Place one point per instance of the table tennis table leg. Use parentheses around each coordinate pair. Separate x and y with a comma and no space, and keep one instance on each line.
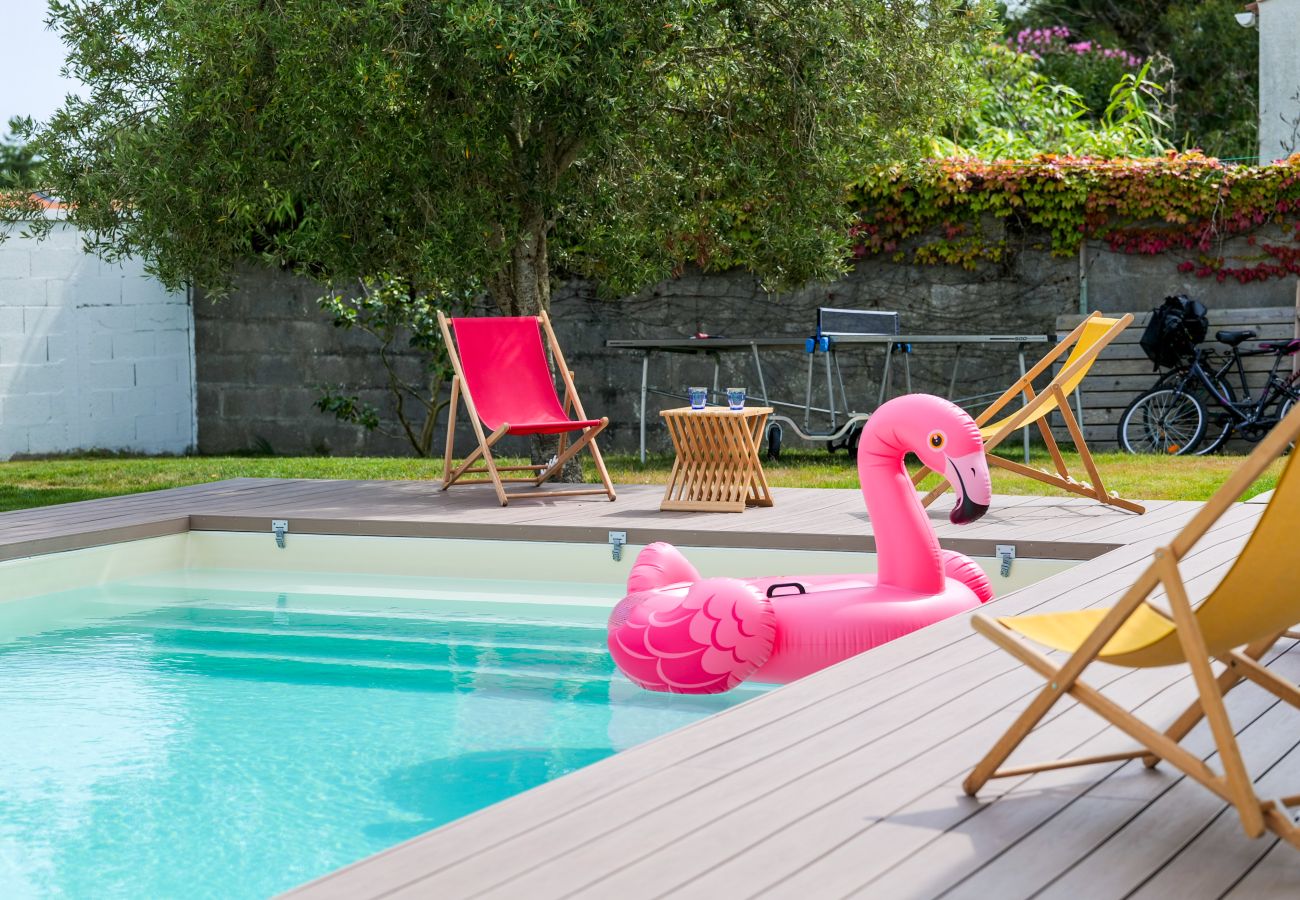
(807,397)
(758,367)
(956,362)
(839,376)
(884,374)
(830,388)
(645,373)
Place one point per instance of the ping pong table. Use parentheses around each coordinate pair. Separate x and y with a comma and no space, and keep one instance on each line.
(828,346)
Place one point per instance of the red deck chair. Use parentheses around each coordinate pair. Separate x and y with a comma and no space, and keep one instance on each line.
(504,378)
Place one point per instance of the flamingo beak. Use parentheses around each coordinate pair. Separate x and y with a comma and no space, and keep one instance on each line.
(969,477)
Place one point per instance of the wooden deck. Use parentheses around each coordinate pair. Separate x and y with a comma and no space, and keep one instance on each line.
(845,783)
(801,519)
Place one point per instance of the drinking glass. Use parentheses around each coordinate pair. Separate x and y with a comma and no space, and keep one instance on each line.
(699,397)
(736,398)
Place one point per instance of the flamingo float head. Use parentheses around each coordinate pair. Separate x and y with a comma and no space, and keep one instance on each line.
(944,437)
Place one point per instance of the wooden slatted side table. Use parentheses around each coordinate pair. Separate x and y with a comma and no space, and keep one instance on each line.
(717,468)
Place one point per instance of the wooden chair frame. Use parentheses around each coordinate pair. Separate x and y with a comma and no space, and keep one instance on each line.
(1233,784)
(1024,387)
(541,472)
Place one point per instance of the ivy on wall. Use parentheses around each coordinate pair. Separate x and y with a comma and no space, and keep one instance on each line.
(961,211)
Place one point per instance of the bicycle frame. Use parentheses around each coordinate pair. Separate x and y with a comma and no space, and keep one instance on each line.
(1249,411)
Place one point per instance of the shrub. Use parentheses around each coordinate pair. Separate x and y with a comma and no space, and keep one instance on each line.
(961,211)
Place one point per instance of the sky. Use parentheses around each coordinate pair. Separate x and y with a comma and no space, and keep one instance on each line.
(30,84)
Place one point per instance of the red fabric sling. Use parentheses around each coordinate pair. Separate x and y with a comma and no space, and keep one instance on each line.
(507,376)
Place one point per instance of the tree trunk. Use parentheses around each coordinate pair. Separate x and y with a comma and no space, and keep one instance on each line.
(524,289)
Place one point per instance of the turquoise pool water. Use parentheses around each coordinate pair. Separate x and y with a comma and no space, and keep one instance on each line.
(196,735)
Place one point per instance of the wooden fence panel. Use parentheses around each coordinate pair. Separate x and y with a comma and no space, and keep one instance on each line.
(1122,372)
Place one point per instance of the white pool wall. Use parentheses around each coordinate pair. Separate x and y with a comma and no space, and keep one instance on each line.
(400,557)
(32,576)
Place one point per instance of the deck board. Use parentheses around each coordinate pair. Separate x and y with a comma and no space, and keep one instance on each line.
(855,789)
(847,782)
(984,684)
(801,519)
(1275,877)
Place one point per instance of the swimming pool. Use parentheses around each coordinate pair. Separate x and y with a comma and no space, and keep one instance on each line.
(208,713)
(219,732)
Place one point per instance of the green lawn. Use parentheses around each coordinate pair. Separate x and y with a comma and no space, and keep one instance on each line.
(43,482)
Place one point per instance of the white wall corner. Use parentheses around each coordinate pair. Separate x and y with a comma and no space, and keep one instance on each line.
(1279,79)
(194,374)
(93,355)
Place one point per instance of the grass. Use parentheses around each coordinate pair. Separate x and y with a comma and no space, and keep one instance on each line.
(31,483)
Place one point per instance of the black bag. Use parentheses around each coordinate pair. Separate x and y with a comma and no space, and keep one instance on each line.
(1176,327)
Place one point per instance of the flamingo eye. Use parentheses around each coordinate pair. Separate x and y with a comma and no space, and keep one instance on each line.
(937,439)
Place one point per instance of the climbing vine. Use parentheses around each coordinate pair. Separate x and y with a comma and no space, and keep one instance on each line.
(961,211)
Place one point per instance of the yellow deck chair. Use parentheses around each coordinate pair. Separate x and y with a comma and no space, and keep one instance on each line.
(1085,344)
(1255,604)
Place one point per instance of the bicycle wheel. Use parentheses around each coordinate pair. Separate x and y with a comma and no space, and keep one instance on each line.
(1165,421)
(1218,421)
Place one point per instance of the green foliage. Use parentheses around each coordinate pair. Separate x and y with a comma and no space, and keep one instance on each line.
(1214,82)
(31,483)
(393,312)
(1216,67)
(1132,111)
(350,408)
(961,211)
(456,141)
(474,145)
(1018,113)
(20,167)
(1090,67)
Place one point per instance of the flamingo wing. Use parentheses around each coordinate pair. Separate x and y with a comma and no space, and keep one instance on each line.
(705,642)
(960,567)
(658,565)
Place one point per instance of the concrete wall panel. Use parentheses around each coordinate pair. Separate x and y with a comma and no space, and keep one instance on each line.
(92,355)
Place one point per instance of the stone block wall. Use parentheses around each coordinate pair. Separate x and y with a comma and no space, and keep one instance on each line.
(92,355)
(264,353)
(1022,299)
(1020,296)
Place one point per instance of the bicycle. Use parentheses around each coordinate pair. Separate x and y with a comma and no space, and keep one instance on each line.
(1173,416)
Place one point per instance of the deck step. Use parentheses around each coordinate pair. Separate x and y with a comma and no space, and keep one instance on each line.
(394,665)
(396,626)
(367,673)
(397,649)
(277,632)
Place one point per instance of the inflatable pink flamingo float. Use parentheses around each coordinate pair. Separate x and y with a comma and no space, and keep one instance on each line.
(677,632)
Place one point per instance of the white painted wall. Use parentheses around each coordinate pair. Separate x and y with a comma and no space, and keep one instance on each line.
(1279,79)
(92,355)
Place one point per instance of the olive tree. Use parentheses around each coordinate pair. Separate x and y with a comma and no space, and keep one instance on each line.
(484,145)
(19,166)
(465,148)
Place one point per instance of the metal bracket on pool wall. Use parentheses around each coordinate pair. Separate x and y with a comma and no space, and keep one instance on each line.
(616,541)
(279,527)
(1006,553)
